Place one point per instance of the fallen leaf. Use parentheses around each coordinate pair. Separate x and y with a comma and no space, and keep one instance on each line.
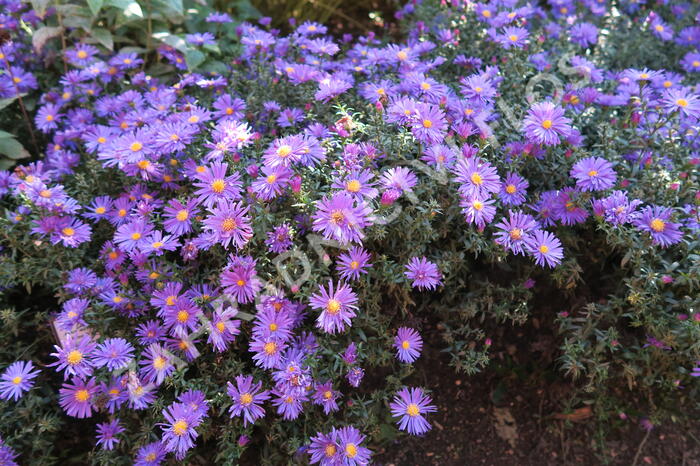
(505,425)
(579,414)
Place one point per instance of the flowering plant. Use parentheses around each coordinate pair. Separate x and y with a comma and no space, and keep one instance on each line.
(248,250)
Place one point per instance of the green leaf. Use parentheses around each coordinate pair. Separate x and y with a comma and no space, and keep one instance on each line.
(43,35)
(130,8)
(95,6)
(5,102)
(194,58)
(10,147)
(104,37)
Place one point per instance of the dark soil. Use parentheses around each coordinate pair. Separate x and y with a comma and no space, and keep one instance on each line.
(501,418)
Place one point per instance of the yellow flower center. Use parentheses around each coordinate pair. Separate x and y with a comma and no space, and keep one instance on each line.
(381,91)
(657,225)
(478,205)
(273,326)
(476,178)
(82,54)
(353,186)
(246,399)
(143,164)
(682,103)
(218,186)
(240,282)
(668,84)
(220,326)
(333,306)
(68,231)
(17,380)
(136,146)
(136,236)
(180,427)
(74,357)
(271,179)
(270,347)
(425,86)
(427,124)
(49,117)
(510,189)
(159,363)
(228,224)
(486,14)
(330,450)
(593,173)
(193,119)
(350,450)
(513,37)
(182,316)
(659,28)
(413,410)
(153,275)
(337,217)
(402,55)
(100,210)
(405,344)
(546,124)
(354,265)
(516,233)
(544,249)
(328,394)
(284,151)
(82,395)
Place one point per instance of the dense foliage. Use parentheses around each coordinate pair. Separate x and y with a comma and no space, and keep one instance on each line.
(232,237)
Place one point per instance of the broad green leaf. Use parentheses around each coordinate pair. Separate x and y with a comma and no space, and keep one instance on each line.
(43,35)
(10,147)
(5,102)
(95,6)
(194,58)
(130,8)
(104,37)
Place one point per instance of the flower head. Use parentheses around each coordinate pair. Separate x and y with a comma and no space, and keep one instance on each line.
(410,405)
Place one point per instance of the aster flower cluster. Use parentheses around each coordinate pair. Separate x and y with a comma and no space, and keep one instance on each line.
(208,189)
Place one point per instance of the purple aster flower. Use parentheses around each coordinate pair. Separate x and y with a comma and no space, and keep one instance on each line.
(342,218)
(107,434)
(355,375)
(325,396)
(223,328)
(324,449)
(514,231)
(7,455)
(410,405)
(80,280)
(682,101)
(284,151)
(478,211)
(353,263)
(545,248)
(593,174)
(182,318)
(338,307)
(133,235)
(273,182)
(567,207)
(584,34)
(655,220)
(617,208)
(268,351)
(329,88)
(17,379)
(399,178)
(428,124)
(71,232)
(352,453)
(240,280)
(476,178)
(289,404)
(408,344)
(214,186)
(513,37)
(280,238)
(513,189)
(228,223)
(76,397)
(72,314)
(545,123)
(357,183)
(273,323)
(247,399)
(47,117)
(75,356)
(179,429)
(439,155)
(425,274)
(113,353)
(152,454)
(156,364)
